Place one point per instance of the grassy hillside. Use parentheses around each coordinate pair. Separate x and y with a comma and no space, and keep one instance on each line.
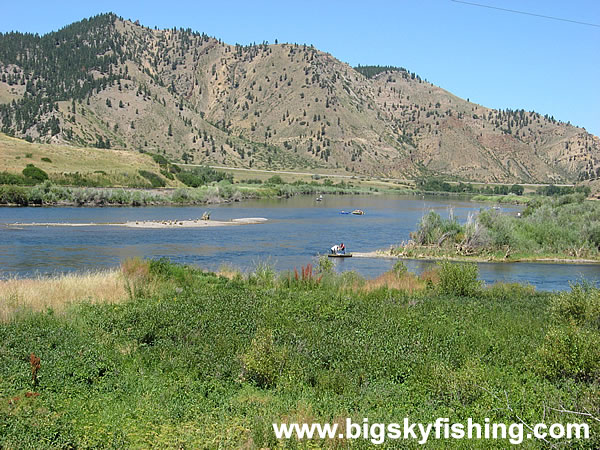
(191,359)
(193,98)
(65,163)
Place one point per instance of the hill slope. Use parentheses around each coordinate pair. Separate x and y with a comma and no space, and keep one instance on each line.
(108,82)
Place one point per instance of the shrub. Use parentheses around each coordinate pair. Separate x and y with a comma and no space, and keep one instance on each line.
(458,279)
(200,176)
(263,362)
(12,178)
(275,179)
(167,174)
(13,195)
(580,306)
(434,230)
(46,159)
(571,352)
(325,265)
(155,180)
(160,159)
(264,274)
(399,268)
(35,173)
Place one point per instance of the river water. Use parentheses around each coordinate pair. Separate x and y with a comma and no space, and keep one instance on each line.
(298,229)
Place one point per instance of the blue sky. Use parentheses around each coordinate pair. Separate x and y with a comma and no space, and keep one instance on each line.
(496,58)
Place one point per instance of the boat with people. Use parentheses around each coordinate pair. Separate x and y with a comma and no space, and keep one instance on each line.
(339,251)
(358,212)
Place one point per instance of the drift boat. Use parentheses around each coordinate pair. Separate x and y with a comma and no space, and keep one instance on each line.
(340,255)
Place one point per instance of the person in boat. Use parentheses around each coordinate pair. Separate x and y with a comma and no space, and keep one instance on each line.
(342,250)
(335,249)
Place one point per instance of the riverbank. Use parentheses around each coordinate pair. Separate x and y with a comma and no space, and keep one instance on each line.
(47,194)
(434,254)
(563,229)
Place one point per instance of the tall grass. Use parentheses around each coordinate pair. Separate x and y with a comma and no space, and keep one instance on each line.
(567,227)
(57,293)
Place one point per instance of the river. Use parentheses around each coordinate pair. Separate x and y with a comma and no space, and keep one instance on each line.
(297,230)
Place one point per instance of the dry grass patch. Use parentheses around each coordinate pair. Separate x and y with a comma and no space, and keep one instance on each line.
(405,282)
(229,272)
(39,294)
(118,163)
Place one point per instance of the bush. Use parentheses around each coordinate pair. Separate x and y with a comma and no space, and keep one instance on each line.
(165,173)
(571,352)
(34,173)
(45,159)
(13,195)
(400,268)
(12,178)
(155,180)
(275,179)
(434,230)
(264,274)
(580,306)
(263,361)
(459,279)
(325,265)
(160,159)
(200,176)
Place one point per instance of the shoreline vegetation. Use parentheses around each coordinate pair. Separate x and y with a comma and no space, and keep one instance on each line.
(175,185)
(158,354)
(48,194)
(196,186)
(553,229)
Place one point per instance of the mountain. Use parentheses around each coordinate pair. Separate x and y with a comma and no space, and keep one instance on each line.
(109,82)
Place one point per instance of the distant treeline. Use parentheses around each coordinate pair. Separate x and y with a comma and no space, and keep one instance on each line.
(437,185)
(373,71)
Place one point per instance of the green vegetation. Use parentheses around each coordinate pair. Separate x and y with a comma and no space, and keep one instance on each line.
(560,227)
(373,71)
(506,199)
(555,191)
(74,51)
(155,180)
(34,173)
(197,360)
(200,176)
(500,193)
(431,184)
(50,194)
